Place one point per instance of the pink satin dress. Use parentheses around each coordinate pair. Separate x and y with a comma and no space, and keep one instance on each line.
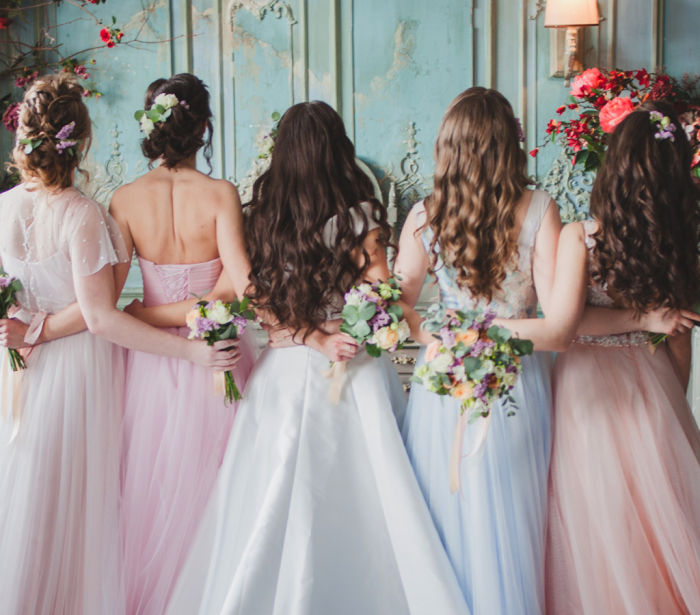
(175,434)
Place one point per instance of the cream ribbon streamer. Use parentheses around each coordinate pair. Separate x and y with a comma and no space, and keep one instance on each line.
(458,443)
(219,383)
(11,394)
(335,373)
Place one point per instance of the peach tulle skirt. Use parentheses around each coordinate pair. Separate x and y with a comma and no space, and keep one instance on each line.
(624,518)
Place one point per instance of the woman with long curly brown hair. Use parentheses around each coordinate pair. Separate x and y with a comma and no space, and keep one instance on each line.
(624,520)
(490,241)
(317,508)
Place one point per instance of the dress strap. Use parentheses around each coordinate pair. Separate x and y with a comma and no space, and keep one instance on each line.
(588,232)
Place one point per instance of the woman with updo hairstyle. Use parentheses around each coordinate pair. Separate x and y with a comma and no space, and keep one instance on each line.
(187,230)
(60,426)
(624,507)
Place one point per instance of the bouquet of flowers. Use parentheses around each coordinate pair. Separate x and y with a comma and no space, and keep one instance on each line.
(475,362)
(9,287)
(368,318)
(602,99)
(471,360)
(216,321)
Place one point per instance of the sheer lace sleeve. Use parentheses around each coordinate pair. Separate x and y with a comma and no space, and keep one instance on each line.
(92,239)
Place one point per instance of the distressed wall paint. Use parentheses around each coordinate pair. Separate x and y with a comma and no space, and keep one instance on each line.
(382,64)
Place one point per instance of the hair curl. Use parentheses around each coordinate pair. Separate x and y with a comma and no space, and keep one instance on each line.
(647,208)
(480,177)
(312,177)
(187,130)
(52,102)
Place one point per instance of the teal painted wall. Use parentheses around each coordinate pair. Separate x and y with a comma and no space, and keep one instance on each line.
(382,63)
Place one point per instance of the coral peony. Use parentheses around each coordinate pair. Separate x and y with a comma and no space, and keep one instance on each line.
(614,112)
(591,79)
(105,35)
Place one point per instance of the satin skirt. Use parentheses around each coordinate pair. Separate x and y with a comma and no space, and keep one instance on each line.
(316,510)
(59,483)
(494,529)
(175,435)
(624,529)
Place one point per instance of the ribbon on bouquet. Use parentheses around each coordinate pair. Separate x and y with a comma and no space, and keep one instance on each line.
(219,383)
(335,373)
(458,443)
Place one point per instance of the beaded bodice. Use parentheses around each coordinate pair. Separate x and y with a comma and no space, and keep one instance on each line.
(517,297)
(598,296)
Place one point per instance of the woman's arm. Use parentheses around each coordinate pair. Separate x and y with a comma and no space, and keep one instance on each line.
(544,258)
(558,328)
(412,262)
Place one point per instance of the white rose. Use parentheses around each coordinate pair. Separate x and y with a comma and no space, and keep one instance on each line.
(219,313)
(147,126)
(488,351)
(510,379)
(459,373)
(404,331)
(353,299)
(442,363)
(488,366)
(365,289)
(166,100)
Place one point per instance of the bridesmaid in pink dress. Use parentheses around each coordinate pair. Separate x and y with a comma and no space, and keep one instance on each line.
(183,225)
(624,519)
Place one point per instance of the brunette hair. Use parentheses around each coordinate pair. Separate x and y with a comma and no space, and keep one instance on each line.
(295,274)
(50,104)
(189,127)
(480,177)
(646,204)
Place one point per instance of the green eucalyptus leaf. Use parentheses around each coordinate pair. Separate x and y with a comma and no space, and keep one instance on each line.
(361,329)
(367,309)
(351,314)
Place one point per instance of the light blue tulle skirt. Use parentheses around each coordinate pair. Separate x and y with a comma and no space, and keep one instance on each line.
(494,530)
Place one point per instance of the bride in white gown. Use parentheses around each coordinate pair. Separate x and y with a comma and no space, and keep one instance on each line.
(316,510)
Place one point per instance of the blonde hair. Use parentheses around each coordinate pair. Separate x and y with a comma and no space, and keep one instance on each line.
(53,101)
(480,177)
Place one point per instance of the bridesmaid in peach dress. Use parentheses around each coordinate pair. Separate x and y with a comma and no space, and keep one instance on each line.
(184,225)
(624,520)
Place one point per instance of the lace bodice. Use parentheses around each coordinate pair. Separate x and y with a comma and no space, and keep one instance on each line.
(598,296)
(47,240)
(517,297)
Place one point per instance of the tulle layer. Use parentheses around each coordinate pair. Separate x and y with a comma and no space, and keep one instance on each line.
(494,531)
(59,483)
(316,510)
(624,529)
(175,435)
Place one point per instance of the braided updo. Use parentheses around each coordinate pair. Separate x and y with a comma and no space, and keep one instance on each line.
(188,129)
(53,102)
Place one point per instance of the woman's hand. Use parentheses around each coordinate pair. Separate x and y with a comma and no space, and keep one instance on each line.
(335,347)
(135,308)
(12,333)
(670,322)
(279,338)
(220,356)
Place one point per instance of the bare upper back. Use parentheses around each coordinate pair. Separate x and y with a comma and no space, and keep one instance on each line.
(171,214)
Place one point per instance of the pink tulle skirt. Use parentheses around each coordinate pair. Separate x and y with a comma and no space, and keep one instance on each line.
(624,507)
(175,435)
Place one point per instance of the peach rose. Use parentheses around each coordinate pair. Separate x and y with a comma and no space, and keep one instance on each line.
(386,338)
(614,112)
(467,337)
(590,79)
(432,351)
(463,391)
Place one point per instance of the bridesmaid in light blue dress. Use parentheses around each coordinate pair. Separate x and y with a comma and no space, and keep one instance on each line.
(487,222)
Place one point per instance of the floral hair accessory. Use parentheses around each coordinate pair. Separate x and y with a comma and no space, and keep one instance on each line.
(29,144)
(666,127)
(185,105)
(160,111)
(64,143)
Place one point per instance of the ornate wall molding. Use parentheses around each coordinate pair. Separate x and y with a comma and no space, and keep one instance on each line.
(570,187)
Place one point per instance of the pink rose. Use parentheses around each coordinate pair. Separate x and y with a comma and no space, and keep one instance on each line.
(432,351)
(590,79)
(11,117)
(614,112)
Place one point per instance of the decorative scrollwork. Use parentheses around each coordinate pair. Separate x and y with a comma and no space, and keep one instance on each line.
(278,8)
(403,192)
(570,187)
(539,7)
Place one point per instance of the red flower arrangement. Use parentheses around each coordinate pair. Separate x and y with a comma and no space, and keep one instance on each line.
(603,99)
(5,22)
(111,35)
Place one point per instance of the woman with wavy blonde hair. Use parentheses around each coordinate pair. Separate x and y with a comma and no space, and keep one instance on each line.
(491,243)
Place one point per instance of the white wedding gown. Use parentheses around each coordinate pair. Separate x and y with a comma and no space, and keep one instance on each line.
(317,510)
(59,477)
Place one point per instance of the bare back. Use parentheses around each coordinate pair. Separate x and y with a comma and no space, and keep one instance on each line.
(171,215)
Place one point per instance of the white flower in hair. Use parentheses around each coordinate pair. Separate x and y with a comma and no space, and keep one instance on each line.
(167,100)
(147,126)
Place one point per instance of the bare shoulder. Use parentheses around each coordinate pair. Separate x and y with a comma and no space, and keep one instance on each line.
(573,234)
(224,193)
(127,195)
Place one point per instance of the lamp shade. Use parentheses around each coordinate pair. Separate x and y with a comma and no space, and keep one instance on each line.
(570,13)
